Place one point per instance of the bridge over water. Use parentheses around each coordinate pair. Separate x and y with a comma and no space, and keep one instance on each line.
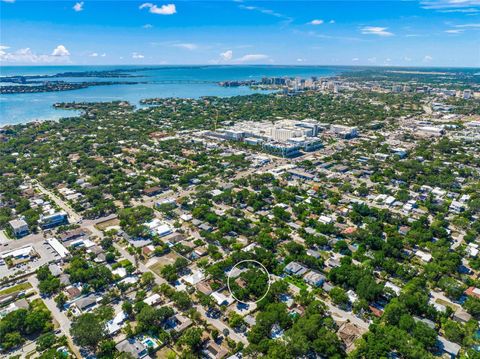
(169,82)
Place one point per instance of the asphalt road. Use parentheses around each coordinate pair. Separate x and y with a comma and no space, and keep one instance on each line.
(73,216)
(63,321)
(220,326)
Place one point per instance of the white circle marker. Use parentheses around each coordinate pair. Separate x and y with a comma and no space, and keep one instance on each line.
(264,269)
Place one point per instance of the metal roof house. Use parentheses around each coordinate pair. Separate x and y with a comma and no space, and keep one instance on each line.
(295,268)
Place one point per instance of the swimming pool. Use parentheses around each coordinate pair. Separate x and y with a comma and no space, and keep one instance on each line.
(149,342)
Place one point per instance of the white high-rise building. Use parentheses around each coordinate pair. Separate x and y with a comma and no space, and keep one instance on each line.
(467,94)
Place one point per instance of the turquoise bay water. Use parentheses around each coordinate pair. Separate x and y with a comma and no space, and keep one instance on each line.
(23,108)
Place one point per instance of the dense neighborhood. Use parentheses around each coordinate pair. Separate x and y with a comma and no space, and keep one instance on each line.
(359,197)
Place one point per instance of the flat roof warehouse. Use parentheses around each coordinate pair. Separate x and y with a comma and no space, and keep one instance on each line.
(58,247)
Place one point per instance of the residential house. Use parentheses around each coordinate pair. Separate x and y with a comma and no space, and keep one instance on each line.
(72,292)
(204,287)
(86,303)
(461,316)
(133,347)
(473,292)
(113,326)
(152,191)
(348,334)
(148,250)
(314,278)
(426,257)
(153,300)
(178,323)
(294,268)
(448,347)
(214,351)
(55,269)
(222,299)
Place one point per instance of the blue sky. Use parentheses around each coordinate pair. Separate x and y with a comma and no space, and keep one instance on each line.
(400,33)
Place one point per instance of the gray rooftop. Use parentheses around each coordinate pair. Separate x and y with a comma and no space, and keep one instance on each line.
(17,223)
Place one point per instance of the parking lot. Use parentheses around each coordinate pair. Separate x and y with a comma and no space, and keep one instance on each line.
(45,253)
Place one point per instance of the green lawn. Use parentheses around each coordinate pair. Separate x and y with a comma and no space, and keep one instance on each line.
(296,282)
(157,267)
(125,263)
(16,288)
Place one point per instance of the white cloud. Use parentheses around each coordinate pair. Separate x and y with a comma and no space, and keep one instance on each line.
(427,58)
(316,22)
(376,30)
(300,60)
(372,60)
(2,51)
(469,26)
(136,56)
(448,4)
(60,50)
(187,46)
(9,1)
(252,58)
(147,26)
(266,12)
(78,6)
(332,21)
(168,9)
(470,10)
(407,59)
(355,59)
(26,55)
(96,54)
(227,55)
(454,31)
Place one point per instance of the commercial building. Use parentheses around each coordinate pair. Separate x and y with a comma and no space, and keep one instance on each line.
(285,138)
(299,173)
(282,149)
(430,131)
(20,253)
(53,220)
(19,227)
(346,132)
(58,247)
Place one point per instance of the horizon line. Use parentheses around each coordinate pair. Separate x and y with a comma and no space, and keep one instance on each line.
(244,65)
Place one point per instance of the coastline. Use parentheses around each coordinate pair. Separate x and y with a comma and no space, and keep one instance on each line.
(154,82)
(75,113)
